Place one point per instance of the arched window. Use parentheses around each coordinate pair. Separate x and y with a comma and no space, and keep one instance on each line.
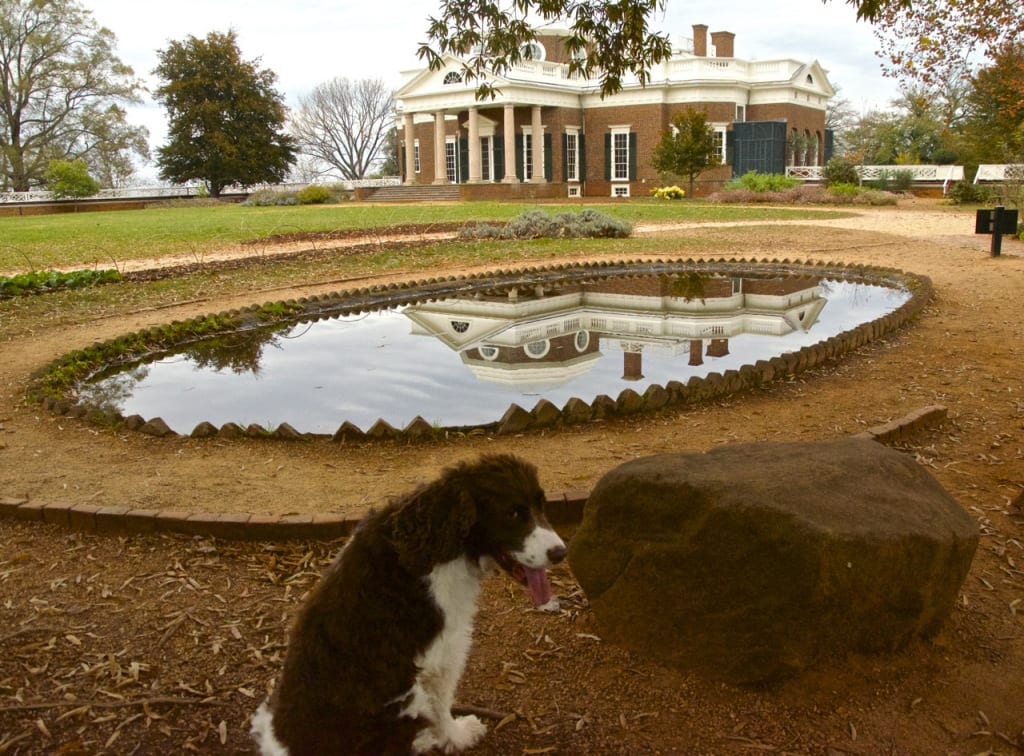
(532,51)
(537,349)
(453,77)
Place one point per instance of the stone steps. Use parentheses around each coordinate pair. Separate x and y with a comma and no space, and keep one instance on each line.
(440,193)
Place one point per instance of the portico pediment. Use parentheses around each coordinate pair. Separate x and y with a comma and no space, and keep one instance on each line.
(813,78)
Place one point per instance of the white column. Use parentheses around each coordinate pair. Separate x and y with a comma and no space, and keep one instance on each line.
(537,147)
(440,167)
(410,149)
(510,145)
(476,175)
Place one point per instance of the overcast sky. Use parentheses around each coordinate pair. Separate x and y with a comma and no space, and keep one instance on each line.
(306,42)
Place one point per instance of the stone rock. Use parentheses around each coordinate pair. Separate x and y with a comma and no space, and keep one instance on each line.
(545,414)
(515,420)
(418,428)
(156,427)
(576,411)
(231,430)
(754,561)
(348,432)
(204,429)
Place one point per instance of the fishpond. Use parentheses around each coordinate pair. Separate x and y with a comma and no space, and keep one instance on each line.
(462,360)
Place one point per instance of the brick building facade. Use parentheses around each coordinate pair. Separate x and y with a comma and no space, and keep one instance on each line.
(766,115)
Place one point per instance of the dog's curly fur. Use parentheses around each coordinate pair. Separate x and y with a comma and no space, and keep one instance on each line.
(354,677)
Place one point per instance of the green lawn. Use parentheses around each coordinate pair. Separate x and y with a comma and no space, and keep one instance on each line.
(104,239)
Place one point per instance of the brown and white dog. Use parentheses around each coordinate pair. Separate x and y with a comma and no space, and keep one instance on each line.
(379,646)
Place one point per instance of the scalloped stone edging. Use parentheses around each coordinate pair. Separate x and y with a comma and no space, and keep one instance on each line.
(564,508)
(516,419)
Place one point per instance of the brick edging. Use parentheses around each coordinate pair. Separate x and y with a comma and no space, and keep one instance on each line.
(565,508)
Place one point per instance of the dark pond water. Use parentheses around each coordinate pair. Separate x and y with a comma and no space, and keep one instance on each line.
(464,360)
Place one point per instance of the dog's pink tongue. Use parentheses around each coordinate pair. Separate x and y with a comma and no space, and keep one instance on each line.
(538,586)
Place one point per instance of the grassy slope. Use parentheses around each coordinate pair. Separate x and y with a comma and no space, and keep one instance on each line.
(102,239)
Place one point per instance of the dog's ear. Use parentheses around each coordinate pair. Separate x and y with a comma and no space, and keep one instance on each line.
(430,527)
(463,515)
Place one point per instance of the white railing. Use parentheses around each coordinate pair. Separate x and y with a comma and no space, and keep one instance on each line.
(946,174)
(189,190)
(537,69)
(1003,172)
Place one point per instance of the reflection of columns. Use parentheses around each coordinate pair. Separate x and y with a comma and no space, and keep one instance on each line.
(510,145)
(696,352)
(475,170)
(410,149)
(537,146)
(718,348)
(632,366)
(440,166)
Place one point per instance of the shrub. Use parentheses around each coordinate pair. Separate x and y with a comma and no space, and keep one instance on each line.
(269,198)
(966,193)
(838,194)
(536,224)
(839,170)
(844,190)
(314,194)
(70,179)
(763,182)
(902,180)
(668,192)
(40,281)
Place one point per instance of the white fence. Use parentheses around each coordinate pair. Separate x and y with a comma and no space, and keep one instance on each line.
(1004,172)
(187,190)
(930,174)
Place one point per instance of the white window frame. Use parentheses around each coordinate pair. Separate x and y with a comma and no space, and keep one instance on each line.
(527,153)
(620,156)
(487,158)
(416,155)
(451,159)
(572,154)
(721,140)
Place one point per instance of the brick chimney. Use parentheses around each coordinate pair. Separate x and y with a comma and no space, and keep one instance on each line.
(700,40)
(723,42)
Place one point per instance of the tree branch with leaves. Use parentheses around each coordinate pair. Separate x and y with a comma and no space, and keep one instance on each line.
(61,87)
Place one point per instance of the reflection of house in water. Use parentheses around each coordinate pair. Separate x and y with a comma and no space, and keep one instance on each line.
(532,338)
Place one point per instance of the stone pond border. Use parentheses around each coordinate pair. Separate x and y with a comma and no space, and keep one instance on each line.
(565,508)
(53,387)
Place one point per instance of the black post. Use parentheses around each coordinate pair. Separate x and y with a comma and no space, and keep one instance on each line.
(997,231)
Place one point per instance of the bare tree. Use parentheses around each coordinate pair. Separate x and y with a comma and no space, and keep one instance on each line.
(344,124)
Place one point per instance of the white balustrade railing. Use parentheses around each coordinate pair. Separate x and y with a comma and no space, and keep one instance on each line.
(189,190)
(946,174)
(1001,172)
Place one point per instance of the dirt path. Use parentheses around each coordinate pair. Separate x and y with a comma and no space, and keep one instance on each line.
(168,604)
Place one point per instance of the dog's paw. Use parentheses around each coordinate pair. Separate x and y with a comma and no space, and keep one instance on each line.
(465,733)
(426,741)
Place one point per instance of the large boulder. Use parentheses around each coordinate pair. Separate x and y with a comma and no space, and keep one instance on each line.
(752,561)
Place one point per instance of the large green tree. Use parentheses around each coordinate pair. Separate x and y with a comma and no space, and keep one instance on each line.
(61,91)
(995,124)
(225,118)
(687,147)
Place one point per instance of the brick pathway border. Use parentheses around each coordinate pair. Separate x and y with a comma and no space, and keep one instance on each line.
(564,508)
